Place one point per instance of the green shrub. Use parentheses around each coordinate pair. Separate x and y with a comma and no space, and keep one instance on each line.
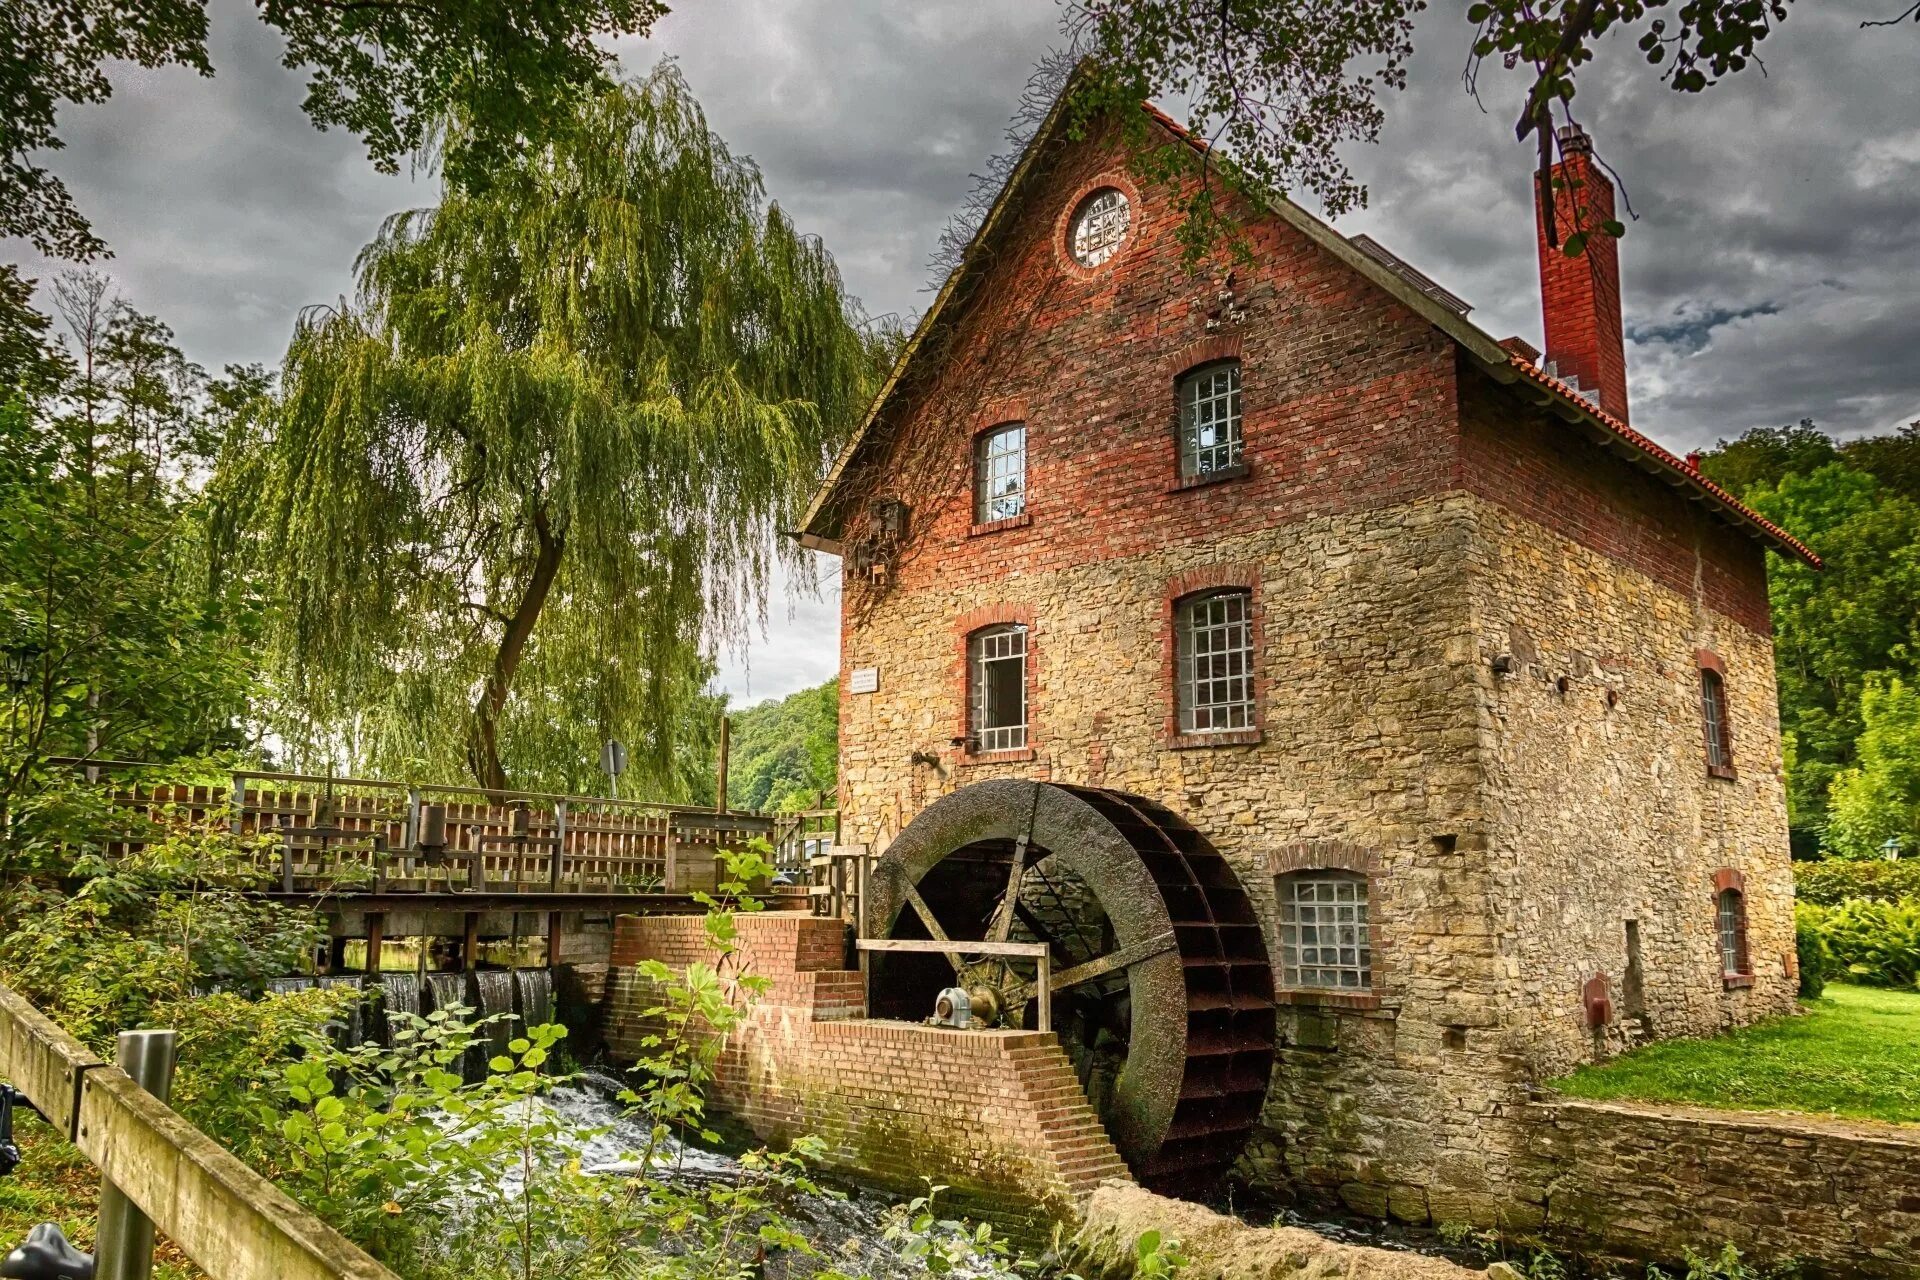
(1816,958)
(1835,880)
(1874,943)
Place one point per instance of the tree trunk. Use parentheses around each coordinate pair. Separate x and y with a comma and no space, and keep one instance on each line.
(483,746)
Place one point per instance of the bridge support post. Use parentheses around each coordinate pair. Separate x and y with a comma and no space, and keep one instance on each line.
(123,1248)
(376,925)
(470,942)
(554,919)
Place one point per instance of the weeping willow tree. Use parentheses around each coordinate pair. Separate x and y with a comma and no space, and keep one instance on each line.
(531,474)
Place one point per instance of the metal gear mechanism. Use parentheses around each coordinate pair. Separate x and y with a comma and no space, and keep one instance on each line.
(1161,987)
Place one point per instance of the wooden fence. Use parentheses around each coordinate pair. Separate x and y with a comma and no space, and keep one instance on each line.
(230,1220)
(337,834)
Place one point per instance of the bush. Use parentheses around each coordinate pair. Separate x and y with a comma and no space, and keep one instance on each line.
(1874,943)
(1835,880)
(1816,959)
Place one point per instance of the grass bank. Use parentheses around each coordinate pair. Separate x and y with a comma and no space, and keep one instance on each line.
(1854,1052)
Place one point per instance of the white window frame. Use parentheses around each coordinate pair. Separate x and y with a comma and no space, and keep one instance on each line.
(1000,473)
(1326,937)
(1003,643)
(1100,227)
(1211,436)
(1213,640)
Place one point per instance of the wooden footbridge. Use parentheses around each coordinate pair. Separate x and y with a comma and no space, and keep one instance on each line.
(384,859)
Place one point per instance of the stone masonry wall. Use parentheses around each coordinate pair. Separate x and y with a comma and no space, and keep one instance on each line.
(996,1116)
(1648,1182)
(1600,808)
(1364,761)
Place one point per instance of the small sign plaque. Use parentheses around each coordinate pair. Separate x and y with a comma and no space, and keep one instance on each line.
(863,680)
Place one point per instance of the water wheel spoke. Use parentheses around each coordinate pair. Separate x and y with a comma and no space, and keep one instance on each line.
(934,929)
(1123,958)
(1099,966)
(1002,926)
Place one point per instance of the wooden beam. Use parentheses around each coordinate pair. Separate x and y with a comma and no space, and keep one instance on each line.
(957,946)
(376,925)
(470,941)
(1124,958)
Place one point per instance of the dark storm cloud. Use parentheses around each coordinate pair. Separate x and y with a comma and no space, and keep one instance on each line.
(1770,275)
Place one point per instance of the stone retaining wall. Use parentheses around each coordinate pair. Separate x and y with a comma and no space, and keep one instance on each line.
(1841,1196)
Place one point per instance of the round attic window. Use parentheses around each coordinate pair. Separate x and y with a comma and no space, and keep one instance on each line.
(1099,226)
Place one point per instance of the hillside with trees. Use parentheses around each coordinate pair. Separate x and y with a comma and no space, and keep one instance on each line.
(785,754)
(1847,638)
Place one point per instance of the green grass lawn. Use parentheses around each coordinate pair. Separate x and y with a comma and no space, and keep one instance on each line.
(1855,1052)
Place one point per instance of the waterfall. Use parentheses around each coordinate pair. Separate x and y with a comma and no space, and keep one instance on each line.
(286,986)
(496,997)
(351,1030)
(399,994)
(444,990)
(536,995)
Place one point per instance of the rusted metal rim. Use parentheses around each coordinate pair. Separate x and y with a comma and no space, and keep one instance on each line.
(1200,1051)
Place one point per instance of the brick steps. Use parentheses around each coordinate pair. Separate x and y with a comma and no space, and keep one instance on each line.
(1083,1154)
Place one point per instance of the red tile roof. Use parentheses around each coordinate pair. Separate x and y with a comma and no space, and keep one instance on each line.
(1691,475)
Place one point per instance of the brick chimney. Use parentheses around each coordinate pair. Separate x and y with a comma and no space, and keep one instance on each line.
(1581,296)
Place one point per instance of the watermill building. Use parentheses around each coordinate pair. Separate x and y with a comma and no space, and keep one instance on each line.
(1368,715)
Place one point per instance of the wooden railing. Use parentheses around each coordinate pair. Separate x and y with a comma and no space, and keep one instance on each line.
(341,834)
(229,1219)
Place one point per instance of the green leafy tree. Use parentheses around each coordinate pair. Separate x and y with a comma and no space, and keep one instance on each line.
(116,640)
(390,71)
(1893,459)
(1833,629)
(1280,86)
(539,460)
(785,754)
(1878,799)
(1767,455)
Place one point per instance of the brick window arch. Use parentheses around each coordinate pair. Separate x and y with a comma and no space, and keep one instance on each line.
(1327,924)
(997,665)
(1209,437)
(1000,474)
(1730,927)
(1716,726)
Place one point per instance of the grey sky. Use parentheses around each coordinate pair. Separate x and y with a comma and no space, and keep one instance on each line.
(1771,276)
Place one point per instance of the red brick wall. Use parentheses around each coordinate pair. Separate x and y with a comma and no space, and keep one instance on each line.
(1348,398)
(1545,470)
(997,1116)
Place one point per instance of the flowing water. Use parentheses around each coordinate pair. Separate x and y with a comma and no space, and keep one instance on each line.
(399,994)
(496,1001)
(534,992)
(286,986)
(847,1224)
(444,990)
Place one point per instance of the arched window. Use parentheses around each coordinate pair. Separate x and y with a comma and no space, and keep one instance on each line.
(1209,399)
(997,688)
(1732,920)
(1714,723)
(1000,473)
(1326,942)
(1213,641)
